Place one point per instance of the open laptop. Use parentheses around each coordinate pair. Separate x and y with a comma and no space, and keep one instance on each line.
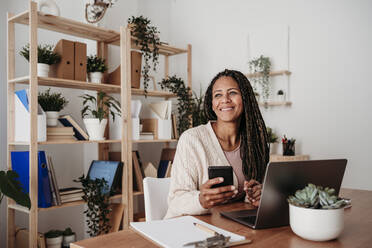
(283,179)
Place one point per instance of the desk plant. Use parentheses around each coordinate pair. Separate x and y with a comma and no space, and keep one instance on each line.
(68,237)
(272,139)
(95,68)
(147,38)
(52,104)
(316,213)
(95,112)
(11,187)
(98,204)
(261,67)
(54,238)
(45,57)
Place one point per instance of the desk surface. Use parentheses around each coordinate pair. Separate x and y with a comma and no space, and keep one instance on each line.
(357,232)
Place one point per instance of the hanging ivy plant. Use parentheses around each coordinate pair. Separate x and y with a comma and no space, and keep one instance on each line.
(188,106)
(261,66)
(147,38)
(98,204)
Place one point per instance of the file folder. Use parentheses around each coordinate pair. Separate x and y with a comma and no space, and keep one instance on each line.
(80,61)
(20,164)
(65,68)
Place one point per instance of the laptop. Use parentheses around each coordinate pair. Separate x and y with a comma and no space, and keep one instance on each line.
(282,179)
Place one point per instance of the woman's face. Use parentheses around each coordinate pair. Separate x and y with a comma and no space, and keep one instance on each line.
(227,100)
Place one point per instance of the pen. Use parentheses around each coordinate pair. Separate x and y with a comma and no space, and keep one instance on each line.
(206,229)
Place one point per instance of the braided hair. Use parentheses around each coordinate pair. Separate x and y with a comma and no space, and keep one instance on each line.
(254,149)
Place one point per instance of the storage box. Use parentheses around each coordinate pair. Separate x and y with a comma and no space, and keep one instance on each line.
(22,116)
(162,129)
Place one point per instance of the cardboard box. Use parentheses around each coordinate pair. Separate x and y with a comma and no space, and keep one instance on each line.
(65,68)
(80,68)
(21,239)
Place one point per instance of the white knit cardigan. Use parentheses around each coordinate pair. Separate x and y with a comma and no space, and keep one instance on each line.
(197,149)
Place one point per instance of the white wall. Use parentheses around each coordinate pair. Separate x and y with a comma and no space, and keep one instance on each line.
(330,55)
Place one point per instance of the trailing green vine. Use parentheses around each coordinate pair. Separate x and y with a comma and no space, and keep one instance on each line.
(147,38)
(262,66)
(98,204)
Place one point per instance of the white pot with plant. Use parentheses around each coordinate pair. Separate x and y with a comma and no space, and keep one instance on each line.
(54,238)
(45,57)
(95,68)
(52,104)
(95,112)
(316,213)
(68,237)
(261,67)
(273,140)
(281,96)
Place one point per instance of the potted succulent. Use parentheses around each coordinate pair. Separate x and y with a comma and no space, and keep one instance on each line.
(316,213)
(95,67)
(54,238)
(95,112)
(52,104)
(45,57)
(273,139)
(147,38)
(261,66)
(281,96)
(11,187)
(68,237)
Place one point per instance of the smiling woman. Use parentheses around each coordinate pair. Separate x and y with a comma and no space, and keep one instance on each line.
(235,135)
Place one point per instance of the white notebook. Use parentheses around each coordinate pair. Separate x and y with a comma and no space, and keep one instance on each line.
(174,233)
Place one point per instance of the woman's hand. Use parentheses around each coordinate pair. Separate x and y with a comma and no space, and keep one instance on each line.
(252,189)
(209,197)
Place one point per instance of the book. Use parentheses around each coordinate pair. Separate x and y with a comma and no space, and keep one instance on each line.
(174,127)
(20,161)
(60,131)
(52,189)
(70,190)
(66,138)
(150,170)
(168,171)
(163,167)
(146,136)
(137,172)
(54,181)
(72,196)
(77,198)
(176,232)
(68,121)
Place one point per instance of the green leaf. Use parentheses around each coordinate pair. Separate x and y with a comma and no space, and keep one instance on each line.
(10,186)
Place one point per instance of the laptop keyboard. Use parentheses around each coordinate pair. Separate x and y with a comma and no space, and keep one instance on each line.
(249,219)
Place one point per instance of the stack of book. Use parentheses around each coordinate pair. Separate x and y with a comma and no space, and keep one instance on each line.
(147,136)
(71,194)
(60,134)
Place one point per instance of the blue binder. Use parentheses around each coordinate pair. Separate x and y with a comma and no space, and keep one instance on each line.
(20,164)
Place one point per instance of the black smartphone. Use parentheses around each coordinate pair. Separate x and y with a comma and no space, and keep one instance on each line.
(221,171)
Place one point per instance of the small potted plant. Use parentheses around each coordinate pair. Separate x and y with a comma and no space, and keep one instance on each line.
(54,238)
(45,57)
(273,139)
(68,237)
(95,112)
(281,96)
(261,66)
(95,67)
(316,213)
(52,104)
(147,38)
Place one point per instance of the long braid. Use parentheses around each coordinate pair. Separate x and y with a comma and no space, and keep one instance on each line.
(254,149)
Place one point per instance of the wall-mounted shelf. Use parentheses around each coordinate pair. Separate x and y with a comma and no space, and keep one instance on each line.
(271,104)
(271,74)
(154,141)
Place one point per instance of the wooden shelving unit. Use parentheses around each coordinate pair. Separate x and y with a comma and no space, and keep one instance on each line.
(104,37)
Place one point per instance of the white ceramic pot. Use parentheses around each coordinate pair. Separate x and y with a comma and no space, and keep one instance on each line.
(43,70)
(281,98)
(95,128)
(54,242)
(95,77)
(273,148)
(52,118)
(68,239)
(316,224)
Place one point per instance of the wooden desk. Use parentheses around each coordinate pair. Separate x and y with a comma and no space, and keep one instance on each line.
(357,232)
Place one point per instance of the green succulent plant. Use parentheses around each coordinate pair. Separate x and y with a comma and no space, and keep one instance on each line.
(316,197)
(95,64)
(51,101)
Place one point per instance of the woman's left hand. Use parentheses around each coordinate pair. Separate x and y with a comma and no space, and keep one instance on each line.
(252,189)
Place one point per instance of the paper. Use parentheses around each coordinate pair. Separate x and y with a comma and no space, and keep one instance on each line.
(174,233)
(162,109)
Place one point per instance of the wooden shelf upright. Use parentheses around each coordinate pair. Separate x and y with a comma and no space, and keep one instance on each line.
(104,38)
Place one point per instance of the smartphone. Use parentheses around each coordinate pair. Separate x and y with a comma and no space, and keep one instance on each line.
(221,171)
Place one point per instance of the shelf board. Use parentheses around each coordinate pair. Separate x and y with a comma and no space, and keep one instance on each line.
(68,142)
(155,93)
(270,104)
(272,74)
(19,208)
(75,203)
(67,83)
(84,30)
(137,193)
(154,141)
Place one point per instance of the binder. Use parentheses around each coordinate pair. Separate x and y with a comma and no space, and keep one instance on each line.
(80,61)
(65,68)
(20,164)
